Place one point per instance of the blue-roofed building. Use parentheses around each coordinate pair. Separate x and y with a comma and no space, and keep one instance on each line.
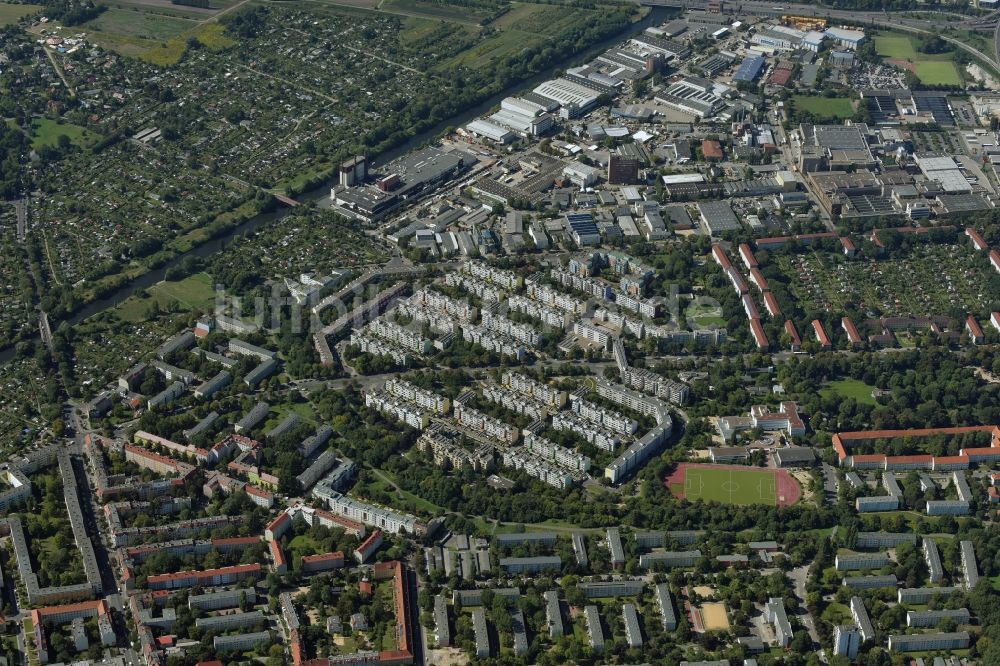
(750,68)
(488,242)
(583,229)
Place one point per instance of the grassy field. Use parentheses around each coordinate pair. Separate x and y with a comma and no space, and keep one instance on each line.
(932,69)
(730,486)
(195,292)
(161,40)
(704,316)
(938,73)
(826,107)
(140,24)
(895,46)
(46,132)
(304,544)
(10,14)
(434,10)
(851,388)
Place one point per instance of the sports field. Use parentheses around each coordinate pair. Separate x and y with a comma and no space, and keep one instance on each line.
(734,484)
(714,617)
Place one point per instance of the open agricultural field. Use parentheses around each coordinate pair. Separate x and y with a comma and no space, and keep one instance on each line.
(932,69)
(824,281)
(525,25)
(436,10)
(140,24)
(11,13)
(730,484)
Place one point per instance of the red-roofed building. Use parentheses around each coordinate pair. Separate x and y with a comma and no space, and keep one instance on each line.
(323,562)
(759,336)
(821,336)
(368,547)
(995,260)
(259,496)
(746,254)
(278,557)
(165,641)
(220,576)
(994,494)
(737,280)
(758,279)
(978,241)
(849,249)
(781,241)
(209,663)
(403,654)
(712,150)
(720,256)
(793,334)
(771,304)
(278,527)
(995,320)
(852,332)
(975,332)
(844,440)
(749,307)
(295,647)
(780,77)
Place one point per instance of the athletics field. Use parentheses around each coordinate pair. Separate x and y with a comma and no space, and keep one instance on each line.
(734,484)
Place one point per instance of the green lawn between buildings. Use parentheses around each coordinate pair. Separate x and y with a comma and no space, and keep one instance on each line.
(824,107)
(851,388)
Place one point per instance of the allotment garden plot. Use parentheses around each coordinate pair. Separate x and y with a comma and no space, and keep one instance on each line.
(932,279)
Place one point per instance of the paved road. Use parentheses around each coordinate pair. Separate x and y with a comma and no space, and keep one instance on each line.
(799,575)
(21,209)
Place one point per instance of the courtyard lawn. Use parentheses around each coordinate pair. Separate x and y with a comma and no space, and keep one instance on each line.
(825,107)
(851,388)
(304,545)
(704,316)
(10,14)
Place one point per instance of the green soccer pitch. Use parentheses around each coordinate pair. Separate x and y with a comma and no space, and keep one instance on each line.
(731,486)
